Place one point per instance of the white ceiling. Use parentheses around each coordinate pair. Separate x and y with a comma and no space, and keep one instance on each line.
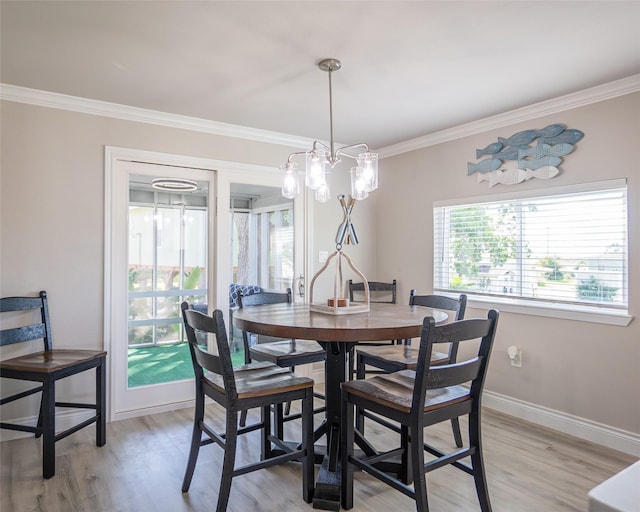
(409,68)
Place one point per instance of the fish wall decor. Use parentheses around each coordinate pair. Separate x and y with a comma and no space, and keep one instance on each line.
(525,155)
(514,176)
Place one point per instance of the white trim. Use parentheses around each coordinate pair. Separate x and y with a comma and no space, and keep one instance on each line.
(599,433)
(603,92)
(521,306)
(104,108)
(576,188)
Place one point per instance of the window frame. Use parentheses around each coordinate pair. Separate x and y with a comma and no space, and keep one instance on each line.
(537,307)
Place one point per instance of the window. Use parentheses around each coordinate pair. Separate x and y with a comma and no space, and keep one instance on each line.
(262,246)
(566,247)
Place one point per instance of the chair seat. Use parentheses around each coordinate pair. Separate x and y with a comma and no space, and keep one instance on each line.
(261,379)
(294,351)
(405,357)
(395,390)
(50,361)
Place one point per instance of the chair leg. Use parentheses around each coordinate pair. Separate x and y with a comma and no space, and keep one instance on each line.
(307,445)
(48,411)
(265,451)
(346,448)
(477,462)
(350,356)
(405,474)
(457,436)
(279,420)
(416,448)
(229,461)
(101,404)
(196,438)
(39,424)
(360,374)
(243,418)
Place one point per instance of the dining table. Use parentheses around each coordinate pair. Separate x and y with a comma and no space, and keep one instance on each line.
(337,334)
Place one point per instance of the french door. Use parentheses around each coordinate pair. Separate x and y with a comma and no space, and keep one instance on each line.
(160,249)
(160,256)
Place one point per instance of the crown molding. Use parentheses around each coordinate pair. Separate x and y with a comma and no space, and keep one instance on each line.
(603,92)
(103,108)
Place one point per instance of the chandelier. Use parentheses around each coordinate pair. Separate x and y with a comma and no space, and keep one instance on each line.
(364,176)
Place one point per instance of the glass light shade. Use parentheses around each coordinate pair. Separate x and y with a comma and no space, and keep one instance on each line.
(368,163)
(290,185)
(322,193)
(358,184)
(316,170)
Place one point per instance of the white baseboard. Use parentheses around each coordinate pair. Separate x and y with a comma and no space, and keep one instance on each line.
(599,433)
(134,413)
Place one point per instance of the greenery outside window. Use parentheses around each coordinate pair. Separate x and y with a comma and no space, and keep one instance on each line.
(562,246)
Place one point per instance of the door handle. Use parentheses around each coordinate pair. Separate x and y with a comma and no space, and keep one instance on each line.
(300,281)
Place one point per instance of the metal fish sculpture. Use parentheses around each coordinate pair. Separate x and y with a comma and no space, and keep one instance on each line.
(486,165)
(536,163)
(506,177)
(514,176)
(489,150)
(545,150)
(543,173)
(519,139)
(511,153)
(525,137)
(567,136)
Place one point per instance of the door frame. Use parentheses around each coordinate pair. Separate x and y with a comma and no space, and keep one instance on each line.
(115,253)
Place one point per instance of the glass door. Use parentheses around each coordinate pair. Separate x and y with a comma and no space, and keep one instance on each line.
(167,265)
(161,255)
(262,244)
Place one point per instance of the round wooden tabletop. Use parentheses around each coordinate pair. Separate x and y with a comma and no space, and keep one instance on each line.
(382,322)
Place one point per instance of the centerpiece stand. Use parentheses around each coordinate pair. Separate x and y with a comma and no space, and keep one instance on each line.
(339,304)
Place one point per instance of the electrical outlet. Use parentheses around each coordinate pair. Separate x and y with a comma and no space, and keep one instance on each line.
(322,256)
(515,355)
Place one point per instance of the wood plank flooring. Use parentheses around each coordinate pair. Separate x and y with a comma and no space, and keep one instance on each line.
(530,469)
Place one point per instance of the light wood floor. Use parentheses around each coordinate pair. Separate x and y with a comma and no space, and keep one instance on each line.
(141,467)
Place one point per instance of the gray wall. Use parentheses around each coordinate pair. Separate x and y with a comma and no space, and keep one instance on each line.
(584,369)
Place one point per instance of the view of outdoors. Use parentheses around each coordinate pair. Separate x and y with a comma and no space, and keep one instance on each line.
(564,248)
(167,264)
(262,247)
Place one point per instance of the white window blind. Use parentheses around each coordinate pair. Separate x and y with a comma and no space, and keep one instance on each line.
(566,246)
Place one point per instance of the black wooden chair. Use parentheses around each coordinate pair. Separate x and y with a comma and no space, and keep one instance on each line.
(287,353)
(405,357)
(258,385)
(419,398)
(46,367)
(379,292)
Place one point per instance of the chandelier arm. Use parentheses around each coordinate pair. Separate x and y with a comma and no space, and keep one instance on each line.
(343,150)
(295,154)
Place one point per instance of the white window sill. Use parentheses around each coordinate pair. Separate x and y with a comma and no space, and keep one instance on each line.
(596,315)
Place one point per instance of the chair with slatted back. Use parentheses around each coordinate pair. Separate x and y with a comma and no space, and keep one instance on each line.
(380,292)
(419,398)
(257,385)
(47,367)
(287,353)
(405,357)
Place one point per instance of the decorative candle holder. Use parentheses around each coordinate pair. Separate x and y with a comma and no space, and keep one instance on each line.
(339,304)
